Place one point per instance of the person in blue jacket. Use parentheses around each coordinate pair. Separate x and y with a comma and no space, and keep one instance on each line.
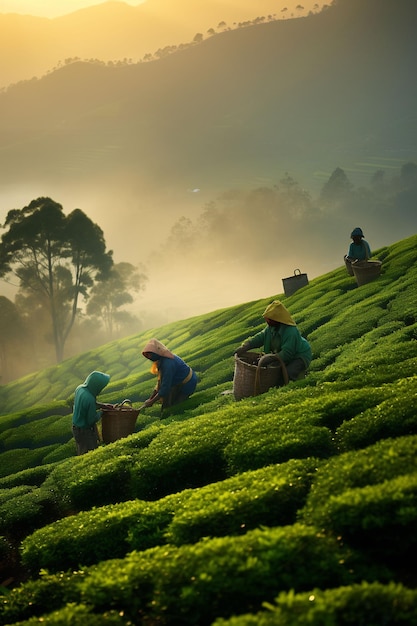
(176,379)
(359,249)
(85,415)
(282,337)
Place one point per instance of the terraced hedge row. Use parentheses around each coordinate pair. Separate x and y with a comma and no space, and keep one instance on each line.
(297,506)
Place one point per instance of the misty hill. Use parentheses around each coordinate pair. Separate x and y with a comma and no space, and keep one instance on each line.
(128,145)
(298,95)
(113,31)
(158,526)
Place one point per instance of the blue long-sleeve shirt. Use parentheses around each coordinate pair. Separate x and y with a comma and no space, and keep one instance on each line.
(173,372)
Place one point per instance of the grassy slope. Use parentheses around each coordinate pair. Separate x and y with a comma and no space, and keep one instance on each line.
(360,391)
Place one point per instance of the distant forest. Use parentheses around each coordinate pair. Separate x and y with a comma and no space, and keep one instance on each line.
(262,221)
(198,38)
(256,220)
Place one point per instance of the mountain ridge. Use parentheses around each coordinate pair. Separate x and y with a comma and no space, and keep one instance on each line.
(223,84)
(32,46)
(236,111)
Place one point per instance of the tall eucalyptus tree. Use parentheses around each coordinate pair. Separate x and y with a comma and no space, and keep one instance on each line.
(55,256)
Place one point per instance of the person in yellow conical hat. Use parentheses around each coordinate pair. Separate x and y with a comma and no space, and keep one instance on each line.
(282,337)
(176,380)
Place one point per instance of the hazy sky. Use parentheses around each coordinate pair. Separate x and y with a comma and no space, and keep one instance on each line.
(55,8)
(50,8)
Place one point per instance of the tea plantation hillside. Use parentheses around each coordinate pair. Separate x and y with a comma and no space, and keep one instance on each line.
(294,507)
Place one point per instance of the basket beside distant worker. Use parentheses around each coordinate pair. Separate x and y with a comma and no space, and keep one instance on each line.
(255,374)
(358,259)
(366,271)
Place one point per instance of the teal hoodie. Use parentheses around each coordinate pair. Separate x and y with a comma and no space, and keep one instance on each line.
(85,412)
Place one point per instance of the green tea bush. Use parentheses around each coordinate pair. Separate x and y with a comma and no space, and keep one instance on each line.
(55,429)
(276,438)
(216,577)
(118,370)
(24,509)
(339,407)
(394,417)
(8,494)
(357,378)
(386,353)
(95,535)
(36,391)
(221,373)
(184,455)
(86,487)
(129,356)
(60,452)
(344,327)
(358,399)
(18,459)
(378,519)
(385,460)
(78,615)
(365,604)
(29,415)
(227,508)
(40,597)
(215,510)
(100,477)
(33,476)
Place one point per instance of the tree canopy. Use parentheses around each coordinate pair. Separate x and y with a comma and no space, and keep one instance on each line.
(56,258)
(108,296)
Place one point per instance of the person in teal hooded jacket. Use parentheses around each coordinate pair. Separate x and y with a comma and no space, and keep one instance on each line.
(85,415)
(359,249)
(282,337)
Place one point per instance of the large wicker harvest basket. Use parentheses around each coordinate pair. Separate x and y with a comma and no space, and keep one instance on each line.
(252,376)
(118,422)
(366,271)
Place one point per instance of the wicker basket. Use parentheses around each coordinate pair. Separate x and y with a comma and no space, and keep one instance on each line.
(118,422)
(366,271)
(252,378)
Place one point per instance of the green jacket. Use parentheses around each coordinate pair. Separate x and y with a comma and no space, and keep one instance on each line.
(286,341)
(85,412)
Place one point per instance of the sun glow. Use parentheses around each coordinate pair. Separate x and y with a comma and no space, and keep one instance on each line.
(50,8)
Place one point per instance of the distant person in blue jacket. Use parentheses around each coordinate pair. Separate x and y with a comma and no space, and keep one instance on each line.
(359,249)
(176,380)
(85,415)
(282,337)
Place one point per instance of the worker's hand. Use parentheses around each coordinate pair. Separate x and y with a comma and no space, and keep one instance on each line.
(149,402)
(242,349)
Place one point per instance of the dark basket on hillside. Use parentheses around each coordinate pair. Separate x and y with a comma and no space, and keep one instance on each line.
(366,271)
(294,283)
(118,421)
(252,376)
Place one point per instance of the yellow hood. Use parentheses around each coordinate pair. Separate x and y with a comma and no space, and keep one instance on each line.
(276,311)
